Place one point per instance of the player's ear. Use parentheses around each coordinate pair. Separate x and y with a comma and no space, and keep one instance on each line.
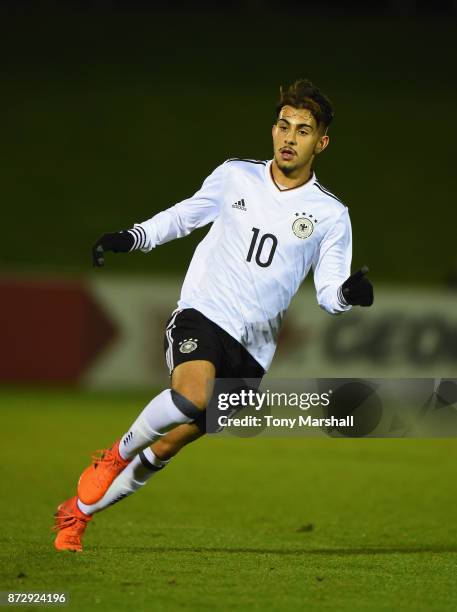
(321,144)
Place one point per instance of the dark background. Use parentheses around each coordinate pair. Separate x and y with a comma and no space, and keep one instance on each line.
(112,111)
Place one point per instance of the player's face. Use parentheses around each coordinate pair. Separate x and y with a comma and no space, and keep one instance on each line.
(296,139)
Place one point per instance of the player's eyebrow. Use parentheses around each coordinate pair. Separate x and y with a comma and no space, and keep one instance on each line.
(298,124)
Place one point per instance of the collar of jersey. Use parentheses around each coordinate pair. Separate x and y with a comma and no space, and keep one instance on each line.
(286,193)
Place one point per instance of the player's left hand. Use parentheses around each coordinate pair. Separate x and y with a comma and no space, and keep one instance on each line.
(357,289)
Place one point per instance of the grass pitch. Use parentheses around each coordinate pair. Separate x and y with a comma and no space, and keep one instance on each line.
(232,524)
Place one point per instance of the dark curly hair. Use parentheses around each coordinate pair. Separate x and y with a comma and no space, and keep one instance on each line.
(303,94)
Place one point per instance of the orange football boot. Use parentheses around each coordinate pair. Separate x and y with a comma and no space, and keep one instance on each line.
(97,478)
(70,524)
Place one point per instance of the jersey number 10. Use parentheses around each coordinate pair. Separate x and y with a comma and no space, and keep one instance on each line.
(273,243)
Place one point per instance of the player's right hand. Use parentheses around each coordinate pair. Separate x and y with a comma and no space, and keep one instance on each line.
(117,242)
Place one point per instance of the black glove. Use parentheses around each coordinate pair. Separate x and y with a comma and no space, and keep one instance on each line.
(118,242)
(357,290)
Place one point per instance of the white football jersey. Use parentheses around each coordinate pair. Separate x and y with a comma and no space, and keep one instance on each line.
(262,244)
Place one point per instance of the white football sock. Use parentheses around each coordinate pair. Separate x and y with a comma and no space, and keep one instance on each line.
(132,478)
(166,410)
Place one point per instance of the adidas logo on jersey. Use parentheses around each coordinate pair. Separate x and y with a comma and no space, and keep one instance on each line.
(240,204)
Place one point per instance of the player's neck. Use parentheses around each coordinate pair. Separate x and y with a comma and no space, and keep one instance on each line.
(288,181)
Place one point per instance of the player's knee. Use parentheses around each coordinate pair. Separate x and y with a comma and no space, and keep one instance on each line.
(194,394)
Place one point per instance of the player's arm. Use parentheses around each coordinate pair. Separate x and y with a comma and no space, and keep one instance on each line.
(175,222)
(337,290)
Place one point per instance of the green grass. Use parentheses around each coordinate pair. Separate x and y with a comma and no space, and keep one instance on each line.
(224,525)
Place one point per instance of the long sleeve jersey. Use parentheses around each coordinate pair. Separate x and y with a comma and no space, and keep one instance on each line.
(262,244)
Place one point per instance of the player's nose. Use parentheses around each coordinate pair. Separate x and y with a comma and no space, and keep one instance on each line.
(290,138)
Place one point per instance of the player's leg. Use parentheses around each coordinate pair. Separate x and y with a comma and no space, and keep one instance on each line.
(191,352)
(195,381)
(181,404)
(146,464)
(172,442)
(190,384)
(73,516)
(192,379)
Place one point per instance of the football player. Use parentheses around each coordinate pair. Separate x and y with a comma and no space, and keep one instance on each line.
(272,223)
